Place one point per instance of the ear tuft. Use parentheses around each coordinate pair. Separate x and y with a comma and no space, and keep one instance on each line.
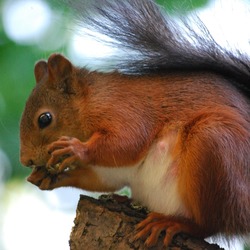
(59,67)
(40,70)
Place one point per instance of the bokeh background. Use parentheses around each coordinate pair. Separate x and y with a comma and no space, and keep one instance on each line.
(31,30)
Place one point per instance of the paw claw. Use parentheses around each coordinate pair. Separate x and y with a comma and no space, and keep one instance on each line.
(138,236)
(151,228)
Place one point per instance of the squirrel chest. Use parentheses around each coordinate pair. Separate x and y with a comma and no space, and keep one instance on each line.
(151,179)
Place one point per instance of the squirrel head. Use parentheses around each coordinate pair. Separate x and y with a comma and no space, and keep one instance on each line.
(49,112)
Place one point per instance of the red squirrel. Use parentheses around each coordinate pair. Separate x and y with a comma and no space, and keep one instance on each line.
(171,121)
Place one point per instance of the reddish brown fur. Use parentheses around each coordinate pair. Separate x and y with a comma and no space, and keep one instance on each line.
(214,170)
(118,117)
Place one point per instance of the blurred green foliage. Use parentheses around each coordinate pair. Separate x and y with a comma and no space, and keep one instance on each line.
(182,6)
(16,81)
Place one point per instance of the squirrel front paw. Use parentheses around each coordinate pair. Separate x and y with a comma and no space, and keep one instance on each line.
(43,179)
(66,153)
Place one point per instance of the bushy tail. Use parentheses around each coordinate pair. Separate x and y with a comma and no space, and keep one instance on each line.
(153,42)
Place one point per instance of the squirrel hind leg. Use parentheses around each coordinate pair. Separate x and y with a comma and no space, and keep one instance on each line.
(156,223)
(214,171)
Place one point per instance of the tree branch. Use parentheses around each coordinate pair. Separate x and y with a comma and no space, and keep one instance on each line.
(109,223)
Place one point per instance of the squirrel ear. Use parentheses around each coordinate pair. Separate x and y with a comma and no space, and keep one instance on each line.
(41,69)
(59,67)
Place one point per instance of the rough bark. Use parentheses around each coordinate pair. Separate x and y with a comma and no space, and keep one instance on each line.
(109,223)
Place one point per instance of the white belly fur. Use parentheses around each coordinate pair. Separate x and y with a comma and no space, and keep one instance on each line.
(153,182)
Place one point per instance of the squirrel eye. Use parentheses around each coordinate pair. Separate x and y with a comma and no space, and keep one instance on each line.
(44,120)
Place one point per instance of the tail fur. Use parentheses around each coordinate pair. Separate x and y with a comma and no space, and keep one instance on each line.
(155,43)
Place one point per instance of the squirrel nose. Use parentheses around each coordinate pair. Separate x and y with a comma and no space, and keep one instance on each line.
(26,162)
(25,158)
(30,163)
